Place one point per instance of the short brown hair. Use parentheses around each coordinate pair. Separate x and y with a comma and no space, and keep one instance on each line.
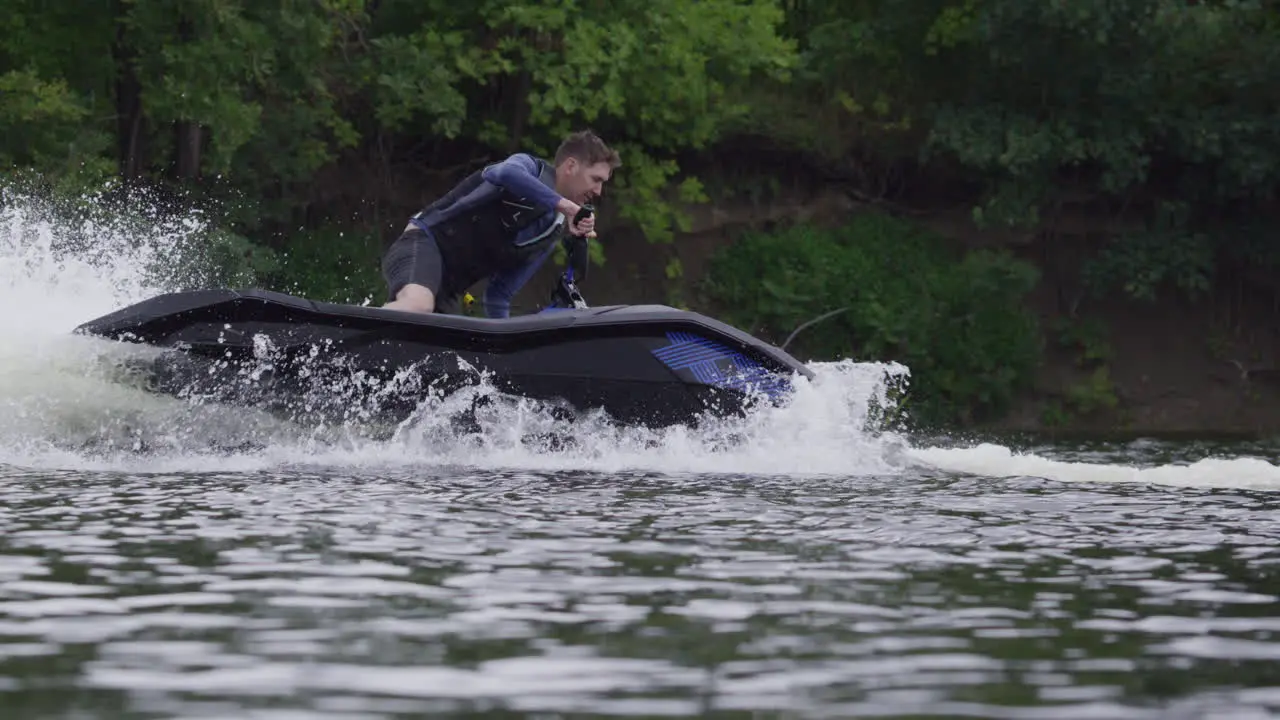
(589,149)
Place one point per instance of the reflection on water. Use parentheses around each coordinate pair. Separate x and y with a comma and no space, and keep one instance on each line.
(341,595)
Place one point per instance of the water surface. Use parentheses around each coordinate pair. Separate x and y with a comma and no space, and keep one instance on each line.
(394,595)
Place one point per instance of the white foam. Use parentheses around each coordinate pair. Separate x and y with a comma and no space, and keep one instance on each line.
(992,460)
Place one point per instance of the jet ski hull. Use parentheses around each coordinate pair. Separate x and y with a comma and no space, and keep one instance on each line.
(646,364)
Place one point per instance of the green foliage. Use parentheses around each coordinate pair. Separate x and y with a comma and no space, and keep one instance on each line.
(333,265)
(1144,263)
(1041,101)
(233,261)
(53,89)
(959,323)
(264,82)
(644,192)
(655,75)
(1111,89)
(39,119)
(1093,395)
(1096,393)
(258,98)
(1086,339)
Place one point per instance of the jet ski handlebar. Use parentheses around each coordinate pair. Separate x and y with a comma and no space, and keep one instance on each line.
(566,292)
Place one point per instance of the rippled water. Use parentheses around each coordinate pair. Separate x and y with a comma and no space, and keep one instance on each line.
(348,595)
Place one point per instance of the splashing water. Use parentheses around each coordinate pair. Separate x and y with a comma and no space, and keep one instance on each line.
(67,403)
(59,398)
(64,402)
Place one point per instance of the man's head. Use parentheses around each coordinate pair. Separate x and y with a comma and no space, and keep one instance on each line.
(584,163)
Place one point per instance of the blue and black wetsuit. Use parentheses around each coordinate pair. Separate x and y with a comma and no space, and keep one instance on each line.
(500,223)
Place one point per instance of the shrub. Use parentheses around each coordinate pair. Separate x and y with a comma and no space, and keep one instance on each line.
(957,320)
(333,265)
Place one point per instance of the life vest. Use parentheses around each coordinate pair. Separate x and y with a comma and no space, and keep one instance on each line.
(477,226)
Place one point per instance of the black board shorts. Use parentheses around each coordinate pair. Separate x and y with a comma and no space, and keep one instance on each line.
(413,258)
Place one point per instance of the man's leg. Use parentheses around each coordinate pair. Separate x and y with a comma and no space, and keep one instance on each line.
(413,270)
(413,298)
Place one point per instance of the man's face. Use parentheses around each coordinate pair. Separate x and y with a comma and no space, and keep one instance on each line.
(583,183)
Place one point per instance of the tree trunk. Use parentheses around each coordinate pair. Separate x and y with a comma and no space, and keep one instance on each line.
(186,133)
(187,137)
(128,102)
(520,117)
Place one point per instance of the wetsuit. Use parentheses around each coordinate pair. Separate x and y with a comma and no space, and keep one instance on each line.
(499,223)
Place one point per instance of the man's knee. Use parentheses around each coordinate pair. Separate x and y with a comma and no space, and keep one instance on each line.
(413,298)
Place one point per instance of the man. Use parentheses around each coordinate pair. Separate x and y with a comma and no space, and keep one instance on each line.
(501,222)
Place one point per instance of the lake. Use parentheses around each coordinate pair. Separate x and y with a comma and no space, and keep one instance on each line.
(958,583)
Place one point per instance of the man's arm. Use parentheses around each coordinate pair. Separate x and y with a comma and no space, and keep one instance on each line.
(519,174)
(503,286)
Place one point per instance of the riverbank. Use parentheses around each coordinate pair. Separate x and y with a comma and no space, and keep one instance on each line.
(1110,364)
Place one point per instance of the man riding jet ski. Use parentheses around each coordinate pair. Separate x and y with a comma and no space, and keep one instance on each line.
(641,364)
(501,222)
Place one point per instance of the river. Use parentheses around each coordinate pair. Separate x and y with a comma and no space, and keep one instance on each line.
(161,559)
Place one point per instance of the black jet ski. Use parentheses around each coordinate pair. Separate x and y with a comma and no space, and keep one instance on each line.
(650,365)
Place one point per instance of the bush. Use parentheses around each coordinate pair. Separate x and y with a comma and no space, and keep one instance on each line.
(333,265)
(959,322)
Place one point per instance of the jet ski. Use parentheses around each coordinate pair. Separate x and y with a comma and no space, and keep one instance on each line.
(649,365)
